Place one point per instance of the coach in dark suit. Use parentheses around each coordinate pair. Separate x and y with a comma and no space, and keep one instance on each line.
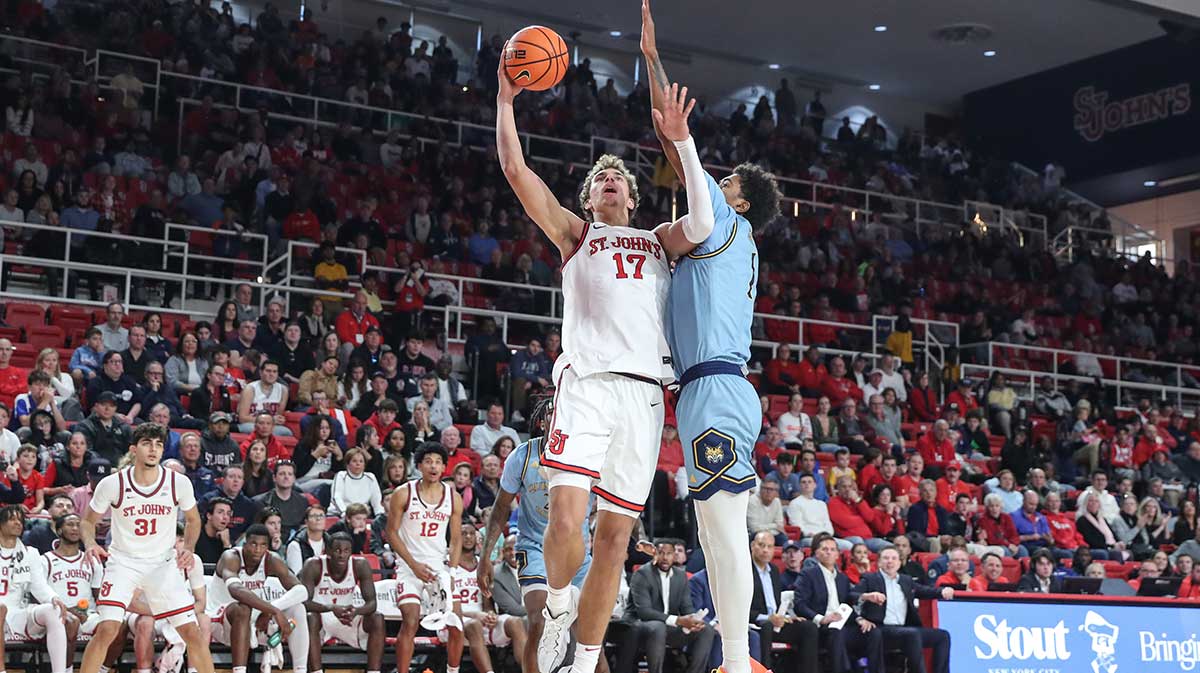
(887,605)
(814,601)
(660,609)
(800,633)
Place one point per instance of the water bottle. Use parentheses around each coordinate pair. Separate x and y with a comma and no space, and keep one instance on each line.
(276,636)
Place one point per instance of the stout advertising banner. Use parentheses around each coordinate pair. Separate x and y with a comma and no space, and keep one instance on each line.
(1031,637)
(1126,109)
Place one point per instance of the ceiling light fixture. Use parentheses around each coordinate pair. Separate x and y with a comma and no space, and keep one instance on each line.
(881,29)
(773,66)
(990,53)
(614,33)
(1150,183)
(873,87)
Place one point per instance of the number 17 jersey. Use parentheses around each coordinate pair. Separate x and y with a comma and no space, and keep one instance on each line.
(423,528)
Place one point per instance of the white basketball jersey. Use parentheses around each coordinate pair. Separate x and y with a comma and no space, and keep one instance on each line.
(423,529)
(265,400)
(72,578)
(333,592)
(615,287)
(253,580)
(466,589)
(144,518)
(17,568)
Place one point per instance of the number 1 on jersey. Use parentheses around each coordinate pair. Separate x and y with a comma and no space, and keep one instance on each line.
(635,260)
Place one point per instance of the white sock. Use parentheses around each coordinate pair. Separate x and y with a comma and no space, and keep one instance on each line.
(70,669)
(143,670)
(722,520)
(558,601)
(239,669)
(56,636)
(102,669)
(452,669)
(587,655)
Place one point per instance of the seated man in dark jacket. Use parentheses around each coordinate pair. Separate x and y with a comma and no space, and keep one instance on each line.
(656,629)
(1041,578)
(815,602)
(158,391)
(765,611)
(887,605)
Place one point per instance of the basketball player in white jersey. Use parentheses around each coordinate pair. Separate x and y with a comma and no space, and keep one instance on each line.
(145,500)
(482,627)
(22,574)
(145,628)
(342,603)
(608,415)
(75,581)
(237,605)
(420,513)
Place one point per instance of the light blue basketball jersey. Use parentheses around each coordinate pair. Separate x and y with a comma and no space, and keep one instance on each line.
(711,304)
(523,477)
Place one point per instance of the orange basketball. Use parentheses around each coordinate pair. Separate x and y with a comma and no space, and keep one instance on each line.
(536,58)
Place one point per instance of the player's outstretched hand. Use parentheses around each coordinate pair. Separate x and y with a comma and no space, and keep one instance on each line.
(95,554)
(649,40)
(484,576)
(672,119)
(507,91)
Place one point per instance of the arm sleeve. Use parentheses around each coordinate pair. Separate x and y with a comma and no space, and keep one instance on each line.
(698,226)
(294,559)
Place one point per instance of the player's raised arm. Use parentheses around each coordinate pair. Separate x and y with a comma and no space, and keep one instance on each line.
(561,225)
(366,585)
(683,235)
(658,82)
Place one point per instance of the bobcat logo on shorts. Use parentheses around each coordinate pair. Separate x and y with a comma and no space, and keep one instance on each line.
(712,452)
(558,442)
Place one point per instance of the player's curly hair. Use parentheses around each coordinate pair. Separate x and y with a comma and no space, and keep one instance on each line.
(762,191)
(150,431)
(606,162)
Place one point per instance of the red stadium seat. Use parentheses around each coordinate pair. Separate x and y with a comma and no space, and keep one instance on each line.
(24,316)
(46,336)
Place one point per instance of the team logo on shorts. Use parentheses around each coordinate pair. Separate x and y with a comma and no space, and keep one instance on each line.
(712,452)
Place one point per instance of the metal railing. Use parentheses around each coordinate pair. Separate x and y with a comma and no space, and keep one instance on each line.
(1026,382)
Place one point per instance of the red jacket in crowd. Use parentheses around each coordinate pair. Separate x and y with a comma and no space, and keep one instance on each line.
(812,377)
(353,330)
(838,389)
(1001,530)
(935,453)
(782,373)
(851,519)
(13,382)
(948,493)
(1063,530)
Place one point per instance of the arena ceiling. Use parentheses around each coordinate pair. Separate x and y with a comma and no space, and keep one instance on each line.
(931,51)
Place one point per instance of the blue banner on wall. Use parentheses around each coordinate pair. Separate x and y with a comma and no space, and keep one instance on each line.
(1016,637)
(1126,109)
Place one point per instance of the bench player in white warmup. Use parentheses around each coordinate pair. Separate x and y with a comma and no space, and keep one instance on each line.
(420,513)
(482,627)
(333,580)
(608,407)
(145,500)
(146,628)
(75,580)
(237,601)
(22,574)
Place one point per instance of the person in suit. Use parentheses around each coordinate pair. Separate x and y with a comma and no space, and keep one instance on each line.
(661,611)
(506,588)
(702,600)
(1041,578)
(887,605)
(820,589)
(798,632)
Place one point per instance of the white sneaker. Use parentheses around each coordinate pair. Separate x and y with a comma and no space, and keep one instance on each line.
(556,635)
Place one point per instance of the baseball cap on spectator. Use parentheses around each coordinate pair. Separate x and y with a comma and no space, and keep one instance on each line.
(106,397)
(331,356)
(374,329)
(791,544)
(379,373)
(953,406)
(219,417)
(954,465)
(873,372)
(99,468)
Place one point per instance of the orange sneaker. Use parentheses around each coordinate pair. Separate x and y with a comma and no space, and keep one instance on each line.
(755,667)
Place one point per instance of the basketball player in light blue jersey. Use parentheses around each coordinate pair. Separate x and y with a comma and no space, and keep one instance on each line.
(709,314)
(522,480)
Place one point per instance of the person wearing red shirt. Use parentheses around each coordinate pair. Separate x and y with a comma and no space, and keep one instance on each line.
(384,418)
(766,451)
(994,527)
(784,331)
(959,571)
(670,455)
(31,480)
(783,375)
(1150,441)
(264,431)
(851,516)
(908,485)
(452,441)
(1190,588)
(886,474)
(812,372)
(923,401)
(837,386)
(868,472)
(936,448)
(302,224)
(963,398)
(352,325)
(13,380)
(1062,526)
(993,571)
(950,486)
